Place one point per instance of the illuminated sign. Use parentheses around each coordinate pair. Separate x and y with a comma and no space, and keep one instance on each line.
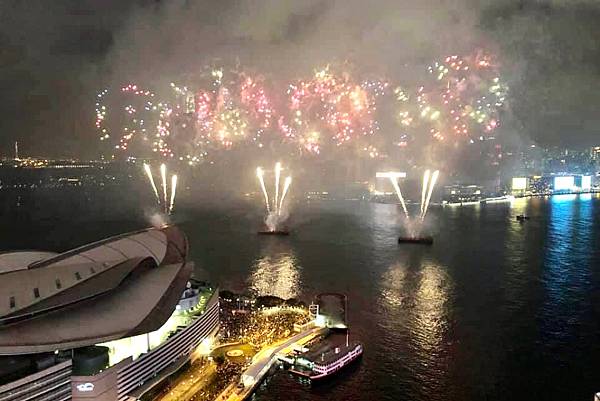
(519,183)
(390,174)
(564,183)
(85,387)
(586,183)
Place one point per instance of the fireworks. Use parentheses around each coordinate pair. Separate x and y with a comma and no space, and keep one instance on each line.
(260,174)
(274,212)
(277,202)
(133,117)
(173,192)
(166,205)
(330,108)
(151,179)
(101,115)
(464,99)
(393,176)
(429,181)
(220,109)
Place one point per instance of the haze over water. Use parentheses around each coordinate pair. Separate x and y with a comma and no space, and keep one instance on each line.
(494,310)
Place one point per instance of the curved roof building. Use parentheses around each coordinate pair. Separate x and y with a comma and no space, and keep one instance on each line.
(119,287)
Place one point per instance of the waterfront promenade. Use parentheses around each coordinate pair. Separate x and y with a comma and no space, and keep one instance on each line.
(262,363)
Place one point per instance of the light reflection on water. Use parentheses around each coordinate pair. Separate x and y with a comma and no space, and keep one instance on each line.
(431,318)
(275,273)
(567,265)
(414,299)
(392,285)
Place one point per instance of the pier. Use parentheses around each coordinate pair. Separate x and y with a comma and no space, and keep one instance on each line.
(263,362)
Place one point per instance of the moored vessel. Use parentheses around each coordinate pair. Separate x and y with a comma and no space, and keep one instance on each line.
(329,362)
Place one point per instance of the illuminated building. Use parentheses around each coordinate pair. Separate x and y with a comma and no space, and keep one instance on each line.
(462,194)
(100,321)
(572,183)
(519,185)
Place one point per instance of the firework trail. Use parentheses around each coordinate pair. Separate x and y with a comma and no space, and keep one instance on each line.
(394,181)
(163,175)
(286,186)
(277,178)
(434,178)
(173,192)
(274,216)
(424,189)
(151,179)
(260,174)
(167,207)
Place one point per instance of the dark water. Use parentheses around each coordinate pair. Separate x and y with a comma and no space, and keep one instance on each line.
(494,310)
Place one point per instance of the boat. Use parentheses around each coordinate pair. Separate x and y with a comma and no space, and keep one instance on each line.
(330,362)
(274,232)
(416,240)
(522,218)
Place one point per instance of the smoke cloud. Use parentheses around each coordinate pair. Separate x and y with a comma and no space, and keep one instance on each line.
(56,55)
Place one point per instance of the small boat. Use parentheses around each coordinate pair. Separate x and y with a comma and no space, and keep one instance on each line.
(416,240)
(522,218)
(274,232)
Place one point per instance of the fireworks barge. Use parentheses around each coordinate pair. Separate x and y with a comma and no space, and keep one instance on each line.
(323,363)
(427,240)
(274,232)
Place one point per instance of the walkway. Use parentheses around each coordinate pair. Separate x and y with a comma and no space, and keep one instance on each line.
(263,361)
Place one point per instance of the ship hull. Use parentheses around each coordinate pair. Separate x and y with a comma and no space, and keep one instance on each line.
(416,240)
(324,376)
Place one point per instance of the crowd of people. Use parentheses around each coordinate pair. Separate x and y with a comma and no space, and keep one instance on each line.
(259,326)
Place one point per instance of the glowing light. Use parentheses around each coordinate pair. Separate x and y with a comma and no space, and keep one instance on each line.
(434,178)
(274,215)
(519,183)
(564,183)
(277,177)
(424,189)
(586,183)
(286,186)
(173,192)
(151,179)
(260,175)
(390,174)
(166,206)
(163,175)
(394,181)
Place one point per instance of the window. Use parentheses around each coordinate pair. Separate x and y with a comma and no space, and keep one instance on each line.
(12,302)
(77,276)
(36,292)
(58,284)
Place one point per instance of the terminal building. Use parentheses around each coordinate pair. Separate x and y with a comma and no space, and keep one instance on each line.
(106,321)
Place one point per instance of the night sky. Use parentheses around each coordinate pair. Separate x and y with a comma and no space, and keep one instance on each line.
(54,55)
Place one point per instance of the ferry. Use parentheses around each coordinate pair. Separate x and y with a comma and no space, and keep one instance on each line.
(318,367)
